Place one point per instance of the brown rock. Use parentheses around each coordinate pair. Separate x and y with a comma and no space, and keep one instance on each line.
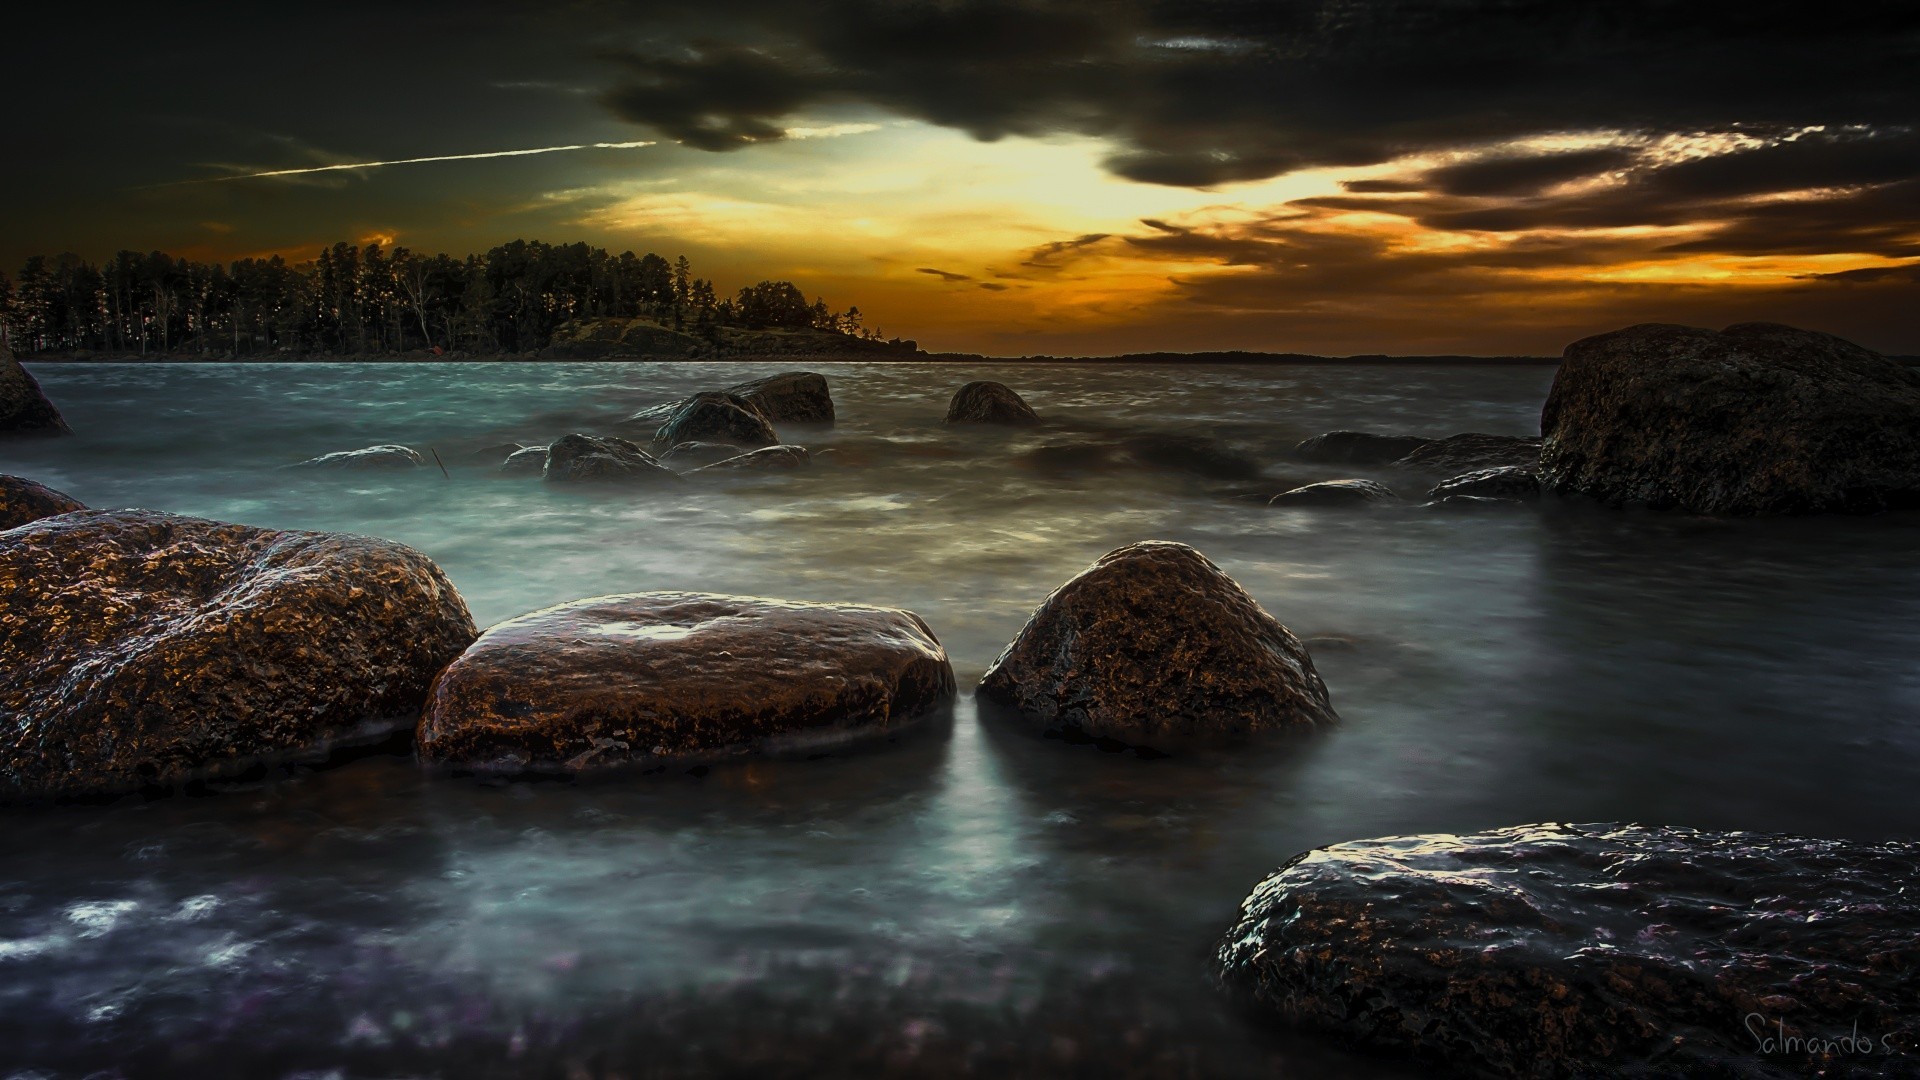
(989,403)
(23,500)
(659,677)
(24,408)
(1154,646)
(141,649)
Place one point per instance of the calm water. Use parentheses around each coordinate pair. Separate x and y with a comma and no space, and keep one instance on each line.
(967,899)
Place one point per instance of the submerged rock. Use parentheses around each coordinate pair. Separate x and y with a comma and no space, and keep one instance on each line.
(716,418)
(24,408)
(767,457)
(1509,482)
(693,455)
(672,676)
(585,459)
(526,461)
(141,649)
(1336,493)
(1472,450)
(495,455)
(1195,454)
(791,397)
(989,403)
(373,457)
(1595,950)
(23,500)
(1154,646)
(1757,419)
(1357,448)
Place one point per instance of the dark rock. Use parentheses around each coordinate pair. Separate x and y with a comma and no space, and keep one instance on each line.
(1336,493)
(1595,951)
(1758,419)
(658,677)
(24,408)
(585,459)
(23,500)
(526,461)
(141,649)
(1154,646)
(1472,450)
(494,456)
(693,455)
(767,457)
(1466,504)
(372,457)
(719,418)
(1511,482)
(989,403)
(1194,454)
(791,397)
(1358,448)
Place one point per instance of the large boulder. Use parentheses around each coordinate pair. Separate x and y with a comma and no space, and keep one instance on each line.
(1756,419)
(1336,493)
(653,678)
(1595,951)
(1515,483)
(763,459)
(1472,450)
(576,459)
(1357,448)
(140,649)
(24,408)
(791,397)
(369,458)
(989,403)
(23,500)
(718,418)
(1154,646)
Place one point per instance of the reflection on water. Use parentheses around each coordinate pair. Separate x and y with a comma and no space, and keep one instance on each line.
(969,898)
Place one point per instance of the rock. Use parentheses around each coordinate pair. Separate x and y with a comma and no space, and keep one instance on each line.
(791,397)
(1154,646)
(767,457)
(719,418)
(526,461)
(24,408)
(23,500)
(1757,419)
(1594,950)
(494,456)
(1194,454)
(673,676)
(372,457)
(1336,493)
(585,459)
(1066,458)
(140,649)
(1358,448)
(693,455)
(1509,482)
(1472,450)
(1469,503)
(989,403)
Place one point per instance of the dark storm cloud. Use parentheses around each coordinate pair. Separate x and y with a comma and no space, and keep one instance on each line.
(1523,175)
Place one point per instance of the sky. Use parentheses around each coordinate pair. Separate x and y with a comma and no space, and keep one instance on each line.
(1020,177)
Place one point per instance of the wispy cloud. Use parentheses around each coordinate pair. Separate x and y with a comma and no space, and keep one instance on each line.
(352,165)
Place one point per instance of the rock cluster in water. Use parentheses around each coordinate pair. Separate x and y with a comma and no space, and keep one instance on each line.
(1596,950)
(141,649)
(24,408)
(662,677)
(23,500)
(990,403)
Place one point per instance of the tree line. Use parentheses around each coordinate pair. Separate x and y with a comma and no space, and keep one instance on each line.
(354,300)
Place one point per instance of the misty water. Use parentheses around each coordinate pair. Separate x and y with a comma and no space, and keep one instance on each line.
(967,897)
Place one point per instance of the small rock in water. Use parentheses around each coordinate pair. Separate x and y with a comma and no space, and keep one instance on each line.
(693,455)
(716,418)
(495,455)
(655,677)
(24,408)
(1195,454)
(1336,493)
(387,456)
(1595,950)
(1472,450)
(1357,448)
(1509,482)
(23,500)
(584,459)
(989,403)
(767,457)
(526,461)
(1154,646)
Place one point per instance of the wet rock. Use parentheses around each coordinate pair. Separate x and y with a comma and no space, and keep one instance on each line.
(791,397)
(662,677)
(495,455)
(1336,493)
(24,408)
(369,458)
(586,459)
(1195,454)
(693,455)
(1472,450)
(526,461)
(1357,448)
(767,457)
(989,403)
(23,500)
(1468,504)
(1595,950)
(1154,646)
(141,649)
(716,418)
(1512,482)
(1757,419)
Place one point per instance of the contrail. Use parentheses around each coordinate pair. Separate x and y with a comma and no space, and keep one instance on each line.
(422,160)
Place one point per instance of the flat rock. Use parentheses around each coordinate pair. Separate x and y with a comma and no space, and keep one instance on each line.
(1357,448)
(767,457)
(1514,482)
(1756,419)
(989,403)
(693,455)
(1595,951)
(791,397)
(141,649)
(663,677)
(24,408)
(1336,493)
(583,459)
(1154,646)
(526,461)
(23,500)
(371,458)
(716,418)
(1472,450)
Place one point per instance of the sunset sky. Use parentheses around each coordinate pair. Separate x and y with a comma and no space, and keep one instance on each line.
(1034,177)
